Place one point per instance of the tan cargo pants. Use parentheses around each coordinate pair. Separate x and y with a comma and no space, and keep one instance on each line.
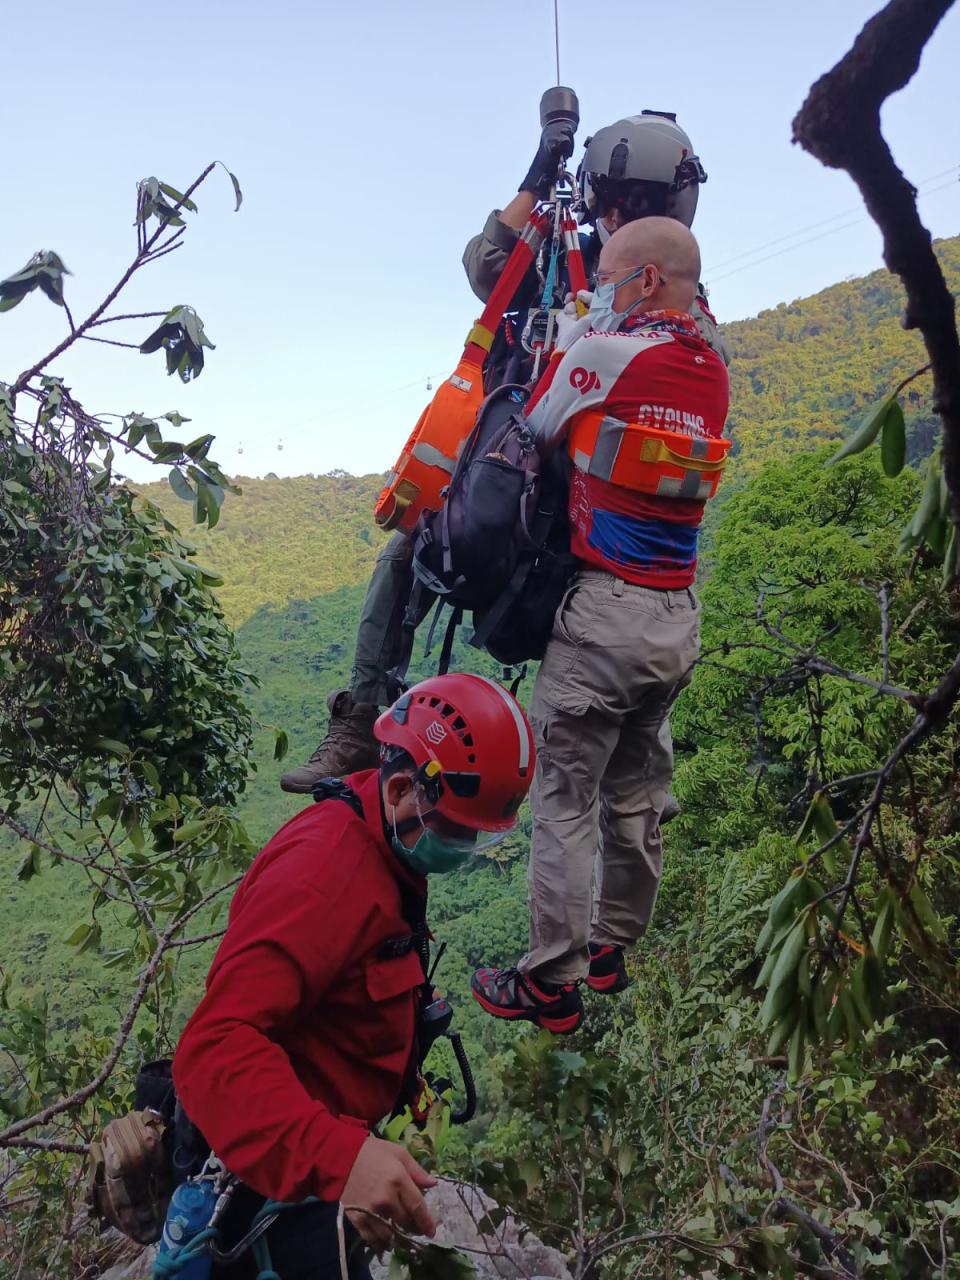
(618,656)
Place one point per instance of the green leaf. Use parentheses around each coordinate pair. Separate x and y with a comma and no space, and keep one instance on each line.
(111,745)
(167,451)
(925,913)
(893,443)
(177,197)
(181,485)
(930,501)
(210,503)
(236,190)
(92,941)
(783,981)
(190,830)
(197,449)
(883,928)
(950,559)
(281,744)
(868,430)
(795,1053)
(30,864)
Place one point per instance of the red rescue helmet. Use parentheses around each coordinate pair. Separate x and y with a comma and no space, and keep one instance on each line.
(472,744)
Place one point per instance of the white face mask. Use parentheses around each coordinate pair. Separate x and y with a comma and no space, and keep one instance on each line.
(603,231)
(603,318)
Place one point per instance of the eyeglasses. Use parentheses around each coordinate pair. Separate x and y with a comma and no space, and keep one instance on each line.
(605,277)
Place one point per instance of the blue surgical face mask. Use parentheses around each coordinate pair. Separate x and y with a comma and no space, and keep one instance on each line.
(603,318)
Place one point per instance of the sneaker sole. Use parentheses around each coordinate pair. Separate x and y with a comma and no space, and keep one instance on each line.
(559,1026)
(609,984)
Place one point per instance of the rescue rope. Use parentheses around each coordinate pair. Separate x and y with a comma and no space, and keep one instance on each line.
(169,1265)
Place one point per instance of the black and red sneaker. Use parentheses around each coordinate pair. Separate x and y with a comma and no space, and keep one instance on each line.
(608,971)
(508,993)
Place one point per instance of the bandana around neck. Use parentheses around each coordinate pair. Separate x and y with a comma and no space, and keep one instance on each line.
(679,322)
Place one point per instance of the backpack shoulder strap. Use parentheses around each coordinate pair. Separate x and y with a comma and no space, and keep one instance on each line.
(337,789)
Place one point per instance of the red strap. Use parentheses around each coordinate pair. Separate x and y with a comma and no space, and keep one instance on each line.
(514,269)
(576,273)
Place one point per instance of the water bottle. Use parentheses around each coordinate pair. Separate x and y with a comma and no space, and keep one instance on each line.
(190,1211)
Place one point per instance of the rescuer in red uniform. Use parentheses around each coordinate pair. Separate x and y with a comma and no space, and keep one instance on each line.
(305,1037)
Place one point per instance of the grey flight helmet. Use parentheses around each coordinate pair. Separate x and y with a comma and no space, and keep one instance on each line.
(644,165)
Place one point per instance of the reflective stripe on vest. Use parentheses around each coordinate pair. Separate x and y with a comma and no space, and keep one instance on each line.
(670,464)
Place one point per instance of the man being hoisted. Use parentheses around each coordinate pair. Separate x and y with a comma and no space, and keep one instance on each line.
(640,166)
(638,401)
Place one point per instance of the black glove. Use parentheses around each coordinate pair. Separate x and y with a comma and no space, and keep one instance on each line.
(556,144)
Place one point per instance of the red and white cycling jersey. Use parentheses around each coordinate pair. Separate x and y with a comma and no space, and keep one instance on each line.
(658,372)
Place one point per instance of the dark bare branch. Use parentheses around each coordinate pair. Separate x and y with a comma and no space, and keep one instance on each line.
(839,124)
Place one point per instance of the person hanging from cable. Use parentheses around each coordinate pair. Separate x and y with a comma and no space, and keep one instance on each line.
(309,1029)
(636,167)
(642,165)
(638,401)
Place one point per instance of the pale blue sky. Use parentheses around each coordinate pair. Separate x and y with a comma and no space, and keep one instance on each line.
(371,140)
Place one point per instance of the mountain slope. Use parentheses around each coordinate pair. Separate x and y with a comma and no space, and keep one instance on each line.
(801,373)
(284,540)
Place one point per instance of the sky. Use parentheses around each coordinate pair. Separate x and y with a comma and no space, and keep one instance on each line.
(371,140)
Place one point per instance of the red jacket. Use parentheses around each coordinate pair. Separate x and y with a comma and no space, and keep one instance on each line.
(306,1031)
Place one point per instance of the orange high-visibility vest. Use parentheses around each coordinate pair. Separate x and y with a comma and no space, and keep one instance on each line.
(425,466)
(670,464)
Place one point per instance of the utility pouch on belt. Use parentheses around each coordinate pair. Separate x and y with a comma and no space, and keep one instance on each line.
(132,1175)
(131,1178)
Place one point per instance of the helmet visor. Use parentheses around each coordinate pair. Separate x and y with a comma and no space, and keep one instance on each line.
(632,199)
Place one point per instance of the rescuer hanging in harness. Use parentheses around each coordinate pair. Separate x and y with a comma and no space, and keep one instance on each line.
(641,165)
(639,400)
(307,1033)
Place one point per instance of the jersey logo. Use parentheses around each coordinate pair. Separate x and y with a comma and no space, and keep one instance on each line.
(435,733)
(584,381)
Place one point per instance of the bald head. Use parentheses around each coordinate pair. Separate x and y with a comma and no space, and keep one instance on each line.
(663,243)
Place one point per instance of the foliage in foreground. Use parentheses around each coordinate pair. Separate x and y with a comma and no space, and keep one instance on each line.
(677,1138)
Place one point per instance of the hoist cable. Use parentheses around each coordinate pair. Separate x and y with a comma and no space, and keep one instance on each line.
(556,35)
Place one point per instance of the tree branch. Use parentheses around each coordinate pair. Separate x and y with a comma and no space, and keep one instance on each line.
(50,1144)
(143,255)
(839,124)
(80,1096)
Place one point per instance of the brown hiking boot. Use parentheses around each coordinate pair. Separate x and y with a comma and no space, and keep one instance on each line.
(348,746)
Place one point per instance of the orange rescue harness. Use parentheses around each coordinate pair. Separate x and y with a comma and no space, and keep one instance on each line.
(429,457)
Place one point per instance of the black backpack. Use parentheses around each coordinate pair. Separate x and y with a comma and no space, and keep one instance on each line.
(499,547)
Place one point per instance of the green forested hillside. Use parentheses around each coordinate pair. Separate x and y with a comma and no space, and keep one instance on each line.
(803,371)
(280,540)
(801,374)
(697,1067)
